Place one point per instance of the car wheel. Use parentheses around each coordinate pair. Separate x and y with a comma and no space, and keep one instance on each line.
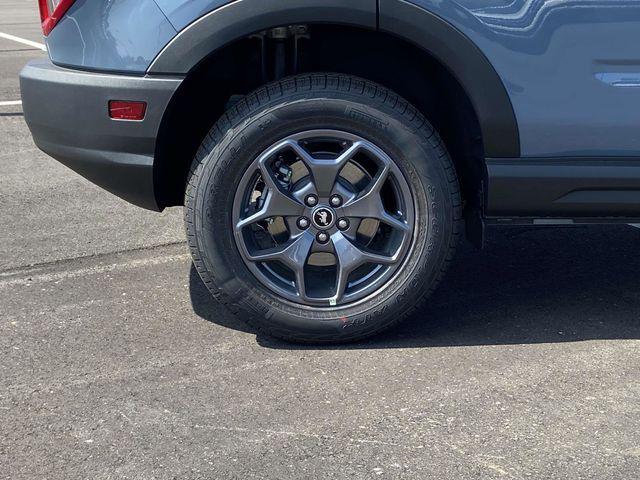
(322,208)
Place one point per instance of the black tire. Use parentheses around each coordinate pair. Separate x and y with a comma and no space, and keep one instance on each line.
(315,101)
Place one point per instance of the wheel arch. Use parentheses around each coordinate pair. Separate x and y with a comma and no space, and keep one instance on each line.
(242,18)
(489,125)
(405,20)
(467,63)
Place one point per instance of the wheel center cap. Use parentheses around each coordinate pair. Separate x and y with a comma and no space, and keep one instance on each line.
(323,217)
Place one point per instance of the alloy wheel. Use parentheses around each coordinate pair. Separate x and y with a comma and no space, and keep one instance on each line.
(324,218)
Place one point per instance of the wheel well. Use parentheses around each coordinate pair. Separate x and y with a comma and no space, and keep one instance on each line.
(239,68)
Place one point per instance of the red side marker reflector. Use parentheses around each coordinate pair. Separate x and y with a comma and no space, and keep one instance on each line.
(124,110)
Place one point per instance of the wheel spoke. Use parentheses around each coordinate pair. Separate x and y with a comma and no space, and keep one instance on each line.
(368,204)
(349,257)
(324,171)
(346,194)
(294,255)
(301,192)
(277,203)
(394,222)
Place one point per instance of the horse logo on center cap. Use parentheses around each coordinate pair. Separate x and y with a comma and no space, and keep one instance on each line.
(323,218)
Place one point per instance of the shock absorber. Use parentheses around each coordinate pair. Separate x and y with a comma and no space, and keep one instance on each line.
(280,50)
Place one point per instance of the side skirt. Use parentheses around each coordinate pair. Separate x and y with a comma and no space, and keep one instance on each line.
(561,191)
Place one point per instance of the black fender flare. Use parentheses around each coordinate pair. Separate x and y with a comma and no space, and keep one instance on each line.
(240,18)
(467,64)
(405,20)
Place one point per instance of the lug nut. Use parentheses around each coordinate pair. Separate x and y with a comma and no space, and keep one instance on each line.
(303,223)
(343,224)
(336,201)
(311,200)
(322,237)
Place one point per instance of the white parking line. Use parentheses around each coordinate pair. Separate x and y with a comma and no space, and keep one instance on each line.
(31,43)
(11,103)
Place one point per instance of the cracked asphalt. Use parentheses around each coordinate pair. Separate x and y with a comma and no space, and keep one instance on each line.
(116,364)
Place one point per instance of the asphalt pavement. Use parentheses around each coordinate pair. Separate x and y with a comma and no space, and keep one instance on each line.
(116,364)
